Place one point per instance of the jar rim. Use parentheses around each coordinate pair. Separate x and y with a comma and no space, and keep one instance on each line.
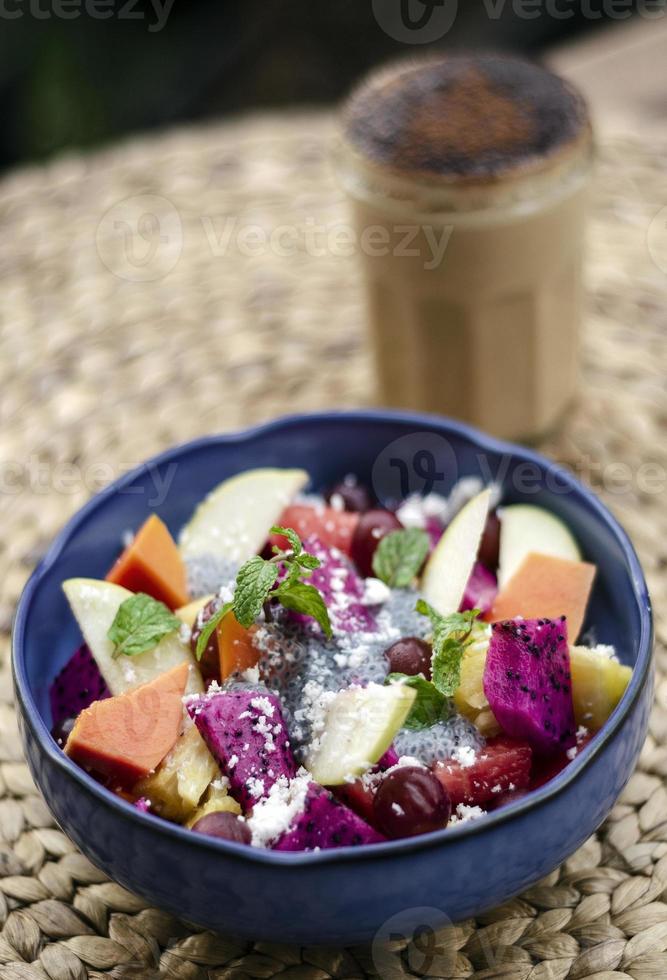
(538,182)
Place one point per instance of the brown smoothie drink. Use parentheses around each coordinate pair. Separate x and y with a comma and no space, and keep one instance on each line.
(468,178)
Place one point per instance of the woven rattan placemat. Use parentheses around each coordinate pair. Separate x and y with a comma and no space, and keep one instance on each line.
(106,360)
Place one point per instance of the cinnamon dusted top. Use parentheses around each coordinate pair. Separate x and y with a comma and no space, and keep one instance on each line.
(464,116)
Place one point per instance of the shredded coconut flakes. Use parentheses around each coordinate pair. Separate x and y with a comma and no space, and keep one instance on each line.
(274,815)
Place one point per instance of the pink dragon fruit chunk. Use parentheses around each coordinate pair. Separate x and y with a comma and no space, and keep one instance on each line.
(142,804)
(389,759)
(77,685)
(326,823)
(528,684)
(342,588)
(246,734)
(481,589)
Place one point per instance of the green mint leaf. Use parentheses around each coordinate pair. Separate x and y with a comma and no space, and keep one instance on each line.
(292,572)
(139,625)
(253,585)
(256,584)
(292,537)
(426,609)
(305,599)
(451,637)
(399,556)
(209,626)
(307,561)
(430,705)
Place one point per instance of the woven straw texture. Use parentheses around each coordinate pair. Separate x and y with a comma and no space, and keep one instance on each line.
(106,361)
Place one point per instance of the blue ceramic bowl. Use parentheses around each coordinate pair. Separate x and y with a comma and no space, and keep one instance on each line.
(342,896)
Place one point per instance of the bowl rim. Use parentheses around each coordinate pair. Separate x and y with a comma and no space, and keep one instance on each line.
(447,836)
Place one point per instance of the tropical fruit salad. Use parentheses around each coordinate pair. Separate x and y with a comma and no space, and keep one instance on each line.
(301,672)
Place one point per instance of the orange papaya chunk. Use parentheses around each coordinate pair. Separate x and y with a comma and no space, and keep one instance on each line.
(235,647)
(152,564)
(125,737)
(544,587)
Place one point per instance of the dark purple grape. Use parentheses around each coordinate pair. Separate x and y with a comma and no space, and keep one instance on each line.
(210,661)
(267,551)
(224,825)
(410,801)
(410,655)
(354,496)
(61,731)
(372,527)
(490,543)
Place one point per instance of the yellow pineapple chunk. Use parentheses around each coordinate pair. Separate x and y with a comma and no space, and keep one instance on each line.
(217,800)
(598,684)
(486,723)
(189,613)
(469,698)
(181,779)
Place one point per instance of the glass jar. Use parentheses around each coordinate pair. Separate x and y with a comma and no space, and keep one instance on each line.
(473,259)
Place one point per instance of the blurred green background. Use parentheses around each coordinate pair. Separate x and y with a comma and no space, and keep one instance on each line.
(70,80)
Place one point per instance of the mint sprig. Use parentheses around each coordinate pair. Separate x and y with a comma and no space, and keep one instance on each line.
(451,636)
(139,625)
(280,577)
(399,556)
(429,707)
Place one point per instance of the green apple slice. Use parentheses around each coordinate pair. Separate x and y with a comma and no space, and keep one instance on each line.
(234,520)
(95,604)
(448,569)
(359,727)
(525,528)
